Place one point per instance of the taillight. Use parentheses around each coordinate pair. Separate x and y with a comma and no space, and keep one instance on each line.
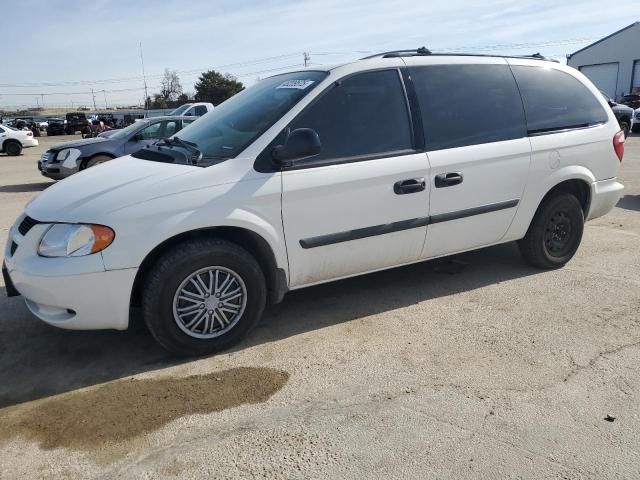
(618,144)
(29,134)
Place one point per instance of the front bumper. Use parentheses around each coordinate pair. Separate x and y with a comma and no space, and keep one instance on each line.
(604,196)
(74,293)
(56,170)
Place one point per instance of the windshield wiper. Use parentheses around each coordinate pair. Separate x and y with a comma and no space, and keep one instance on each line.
(196,155)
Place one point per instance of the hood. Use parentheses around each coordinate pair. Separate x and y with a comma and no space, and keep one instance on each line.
(91,194)
(78,143)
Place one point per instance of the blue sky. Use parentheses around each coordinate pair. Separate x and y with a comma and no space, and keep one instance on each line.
(59,42)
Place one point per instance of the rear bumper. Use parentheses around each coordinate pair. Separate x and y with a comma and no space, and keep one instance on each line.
(604,196)
(30,142)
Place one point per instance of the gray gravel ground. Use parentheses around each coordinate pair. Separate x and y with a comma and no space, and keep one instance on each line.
(480,368)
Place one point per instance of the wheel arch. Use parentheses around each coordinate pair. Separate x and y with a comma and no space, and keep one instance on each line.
(93,155)
(577,187)
(11,140)
(251,241)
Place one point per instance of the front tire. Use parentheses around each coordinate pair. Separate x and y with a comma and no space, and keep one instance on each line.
(203,296)
(555,232)
(97,160)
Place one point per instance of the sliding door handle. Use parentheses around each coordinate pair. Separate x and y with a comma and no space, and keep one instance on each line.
(411,185)
(448,179)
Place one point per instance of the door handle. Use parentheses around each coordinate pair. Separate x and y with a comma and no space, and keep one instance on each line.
(448,179)
(411,185)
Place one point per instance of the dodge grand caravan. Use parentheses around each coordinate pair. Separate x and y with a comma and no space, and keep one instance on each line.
(316,175)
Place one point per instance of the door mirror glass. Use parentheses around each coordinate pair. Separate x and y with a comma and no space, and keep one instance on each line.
(300,143)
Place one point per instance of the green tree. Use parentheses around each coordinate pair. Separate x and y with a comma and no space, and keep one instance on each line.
(216,87)
(159,101)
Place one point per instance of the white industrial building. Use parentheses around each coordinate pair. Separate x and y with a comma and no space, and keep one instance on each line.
(613,62)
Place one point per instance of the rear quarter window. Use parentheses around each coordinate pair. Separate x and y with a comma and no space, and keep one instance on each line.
(465,105)
(554,100)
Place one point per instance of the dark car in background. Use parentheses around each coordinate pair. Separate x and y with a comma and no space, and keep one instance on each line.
(632,100)
(76,122)
(623,113)
(65,159)
(55,126)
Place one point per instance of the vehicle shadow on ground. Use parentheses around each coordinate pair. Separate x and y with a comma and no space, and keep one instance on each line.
(37,361)
(630,202)
(25,187)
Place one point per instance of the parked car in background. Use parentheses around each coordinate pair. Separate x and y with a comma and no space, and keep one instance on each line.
(632,100)
(42,125)
(65,159)
(635,127)
(55,126)
(12,141)
(22,123)
(316,175)
(193,109)
(623,113)
(75,122)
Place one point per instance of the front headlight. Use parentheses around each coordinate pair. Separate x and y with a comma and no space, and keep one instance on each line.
(68,157)
(75,240)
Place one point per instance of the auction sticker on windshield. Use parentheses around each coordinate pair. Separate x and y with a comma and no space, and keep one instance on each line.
(297,84)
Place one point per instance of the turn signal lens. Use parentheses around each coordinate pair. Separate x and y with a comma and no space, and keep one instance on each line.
(103,237)
(618,144)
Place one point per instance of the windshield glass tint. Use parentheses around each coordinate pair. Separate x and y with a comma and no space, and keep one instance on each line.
(179,110)
(236,123)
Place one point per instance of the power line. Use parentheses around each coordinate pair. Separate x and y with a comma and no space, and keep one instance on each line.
(134,78)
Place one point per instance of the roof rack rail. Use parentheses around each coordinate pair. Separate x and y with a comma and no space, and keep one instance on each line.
(423,51)
(401,53)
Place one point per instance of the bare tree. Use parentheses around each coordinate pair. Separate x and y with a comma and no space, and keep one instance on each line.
(170,87)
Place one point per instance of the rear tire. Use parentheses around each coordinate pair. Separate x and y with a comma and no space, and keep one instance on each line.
(13,148)
(555,232)
(179,286)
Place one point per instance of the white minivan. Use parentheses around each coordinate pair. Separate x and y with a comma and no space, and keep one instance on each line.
(316,175)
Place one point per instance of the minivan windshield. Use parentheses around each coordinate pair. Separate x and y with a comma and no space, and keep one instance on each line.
(233,125)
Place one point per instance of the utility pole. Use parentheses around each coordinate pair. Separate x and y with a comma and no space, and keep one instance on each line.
(94,100)
(306,58)
(144,78)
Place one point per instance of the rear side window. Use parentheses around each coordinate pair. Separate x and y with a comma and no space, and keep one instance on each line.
(554,100)
(365,114)
(468,104)
(200,110)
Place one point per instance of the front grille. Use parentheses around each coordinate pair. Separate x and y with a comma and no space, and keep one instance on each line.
(13,248)
(27,224)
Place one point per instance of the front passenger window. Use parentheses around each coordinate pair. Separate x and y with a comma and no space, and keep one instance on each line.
(363,115)
(151,132)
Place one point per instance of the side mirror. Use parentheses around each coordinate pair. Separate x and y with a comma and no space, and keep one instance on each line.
(611,103)
(137,137)
(300,144)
